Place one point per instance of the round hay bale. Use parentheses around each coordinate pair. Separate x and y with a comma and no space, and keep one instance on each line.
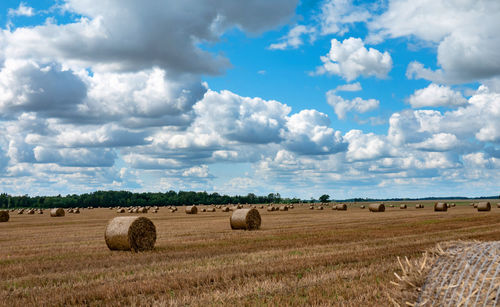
(290,207)
(4,216)
(362,206)
(484,206)
(319,208)
(391,206)
(70,210)
(474,205)
(261,207)
(76,211)
(225,209)
(270,209)
(21,211)
(203,210)
(135,210)
(402,206)
(191,210)
(120,210)
(31,211)
(453,205)
(376,207)
(154,211)
(211,209)
(311,207)
(130,233)
(57,212)
(40,211)
(248,219)
(283,208)
(419,206)
(498,205)
(440,207)
(341,207)
(142,210)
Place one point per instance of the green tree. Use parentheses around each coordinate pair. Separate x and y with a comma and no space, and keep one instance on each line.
(324,198)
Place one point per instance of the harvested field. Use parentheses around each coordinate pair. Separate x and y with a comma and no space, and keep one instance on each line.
(300,257)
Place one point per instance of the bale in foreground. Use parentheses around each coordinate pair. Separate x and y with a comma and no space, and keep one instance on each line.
(57,212)
(191,210)
(440,207)
(4,216)
(483,206)
(376,207)
(130,233)
(454,274)
(248,219)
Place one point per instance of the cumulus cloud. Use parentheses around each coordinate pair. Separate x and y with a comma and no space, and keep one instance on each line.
(352,87)
(458,29)
(309,132)
(337,15)
(350,59)
(342,106)
(22,10)
(436,96)
(127,35)
(293,39)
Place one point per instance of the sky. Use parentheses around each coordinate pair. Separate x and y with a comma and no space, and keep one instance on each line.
(376,99)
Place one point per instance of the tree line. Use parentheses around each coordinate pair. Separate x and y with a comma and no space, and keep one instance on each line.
(126,199)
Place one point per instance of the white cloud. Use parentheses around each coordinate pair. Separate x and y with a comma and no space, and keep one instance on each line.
(350,59)
(365,146)
(293,39)
(337,15)
(197,171)
(439,142)
(342,106)
(465,33)
(308,132)
(127,35)
(22,10)
(353,87)
(436,96)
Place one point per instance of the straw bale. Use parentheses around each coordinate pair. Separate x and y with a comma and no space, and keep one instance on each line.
(130,233)
(440,207)
(283,208)
(377,207)
(4,216)
(57,212)
(341,207)
(403,206)
(484,206)
(248,219)
(191,210)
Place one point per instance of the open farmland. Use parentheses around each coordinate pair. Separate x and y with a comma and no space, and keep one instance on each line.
(302,256)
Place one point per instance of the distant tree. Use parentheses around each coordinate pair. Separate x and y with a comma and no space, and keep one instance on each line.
(324,198)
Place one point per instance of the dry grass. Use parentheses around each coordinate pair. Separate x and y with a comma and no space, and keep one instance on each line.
(301,257)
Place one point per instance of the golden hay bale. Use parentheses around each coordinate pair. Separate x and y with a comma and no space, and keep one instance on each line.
(440,207)
(120,210)
(311,207)
(248,219)
(320,208)
(498,205)
(142,210)
(270,208)
(211,209)
(453,204)
(31,211)
(154,211)
(391,206)
(203,210)
(76,211)
(57,212)
(261,207)
(291,206)
(484,206)
(4,216)
(377,207)
(474,205)
(70,210)
(40,211)
(191,210)
(402,206)
(283,208)
(130,233)
(362,206)
(419,206)
(341,207)
(225,209)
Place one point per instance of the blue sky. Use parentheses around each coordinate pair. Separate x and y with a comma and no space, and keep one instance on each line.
(349,98)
